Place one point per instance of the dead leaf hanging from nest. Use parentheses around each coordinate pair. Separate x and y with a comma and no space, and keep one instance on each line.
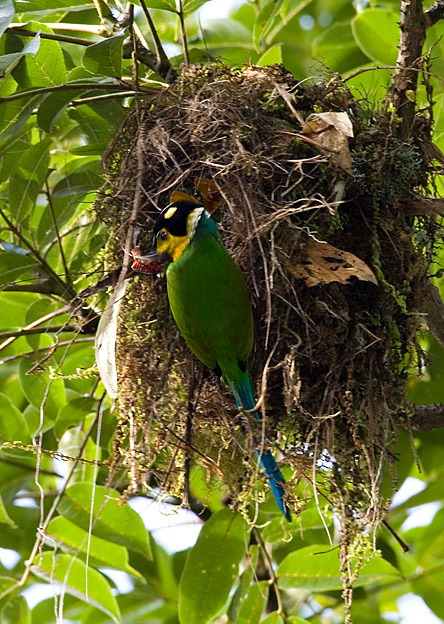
(331,131)
(210,193)
(211,199)
(325,263)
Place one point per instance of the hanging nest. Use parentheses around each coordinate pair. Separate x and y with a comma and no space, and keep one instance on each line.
(334,262)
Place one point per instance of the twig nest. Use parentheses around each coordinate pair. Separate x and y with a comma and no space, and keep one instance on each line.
(333,263)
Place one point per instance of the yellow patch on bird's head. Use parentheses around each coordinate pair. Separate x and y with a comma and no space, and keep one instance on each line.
(175,228)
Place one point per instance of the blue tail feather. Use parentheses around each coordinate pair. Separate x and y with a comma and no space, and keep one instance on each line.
(244,396)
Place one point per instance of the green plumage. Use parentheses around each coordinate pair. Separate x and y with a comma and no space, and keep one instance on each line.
(210,303)
(211,307)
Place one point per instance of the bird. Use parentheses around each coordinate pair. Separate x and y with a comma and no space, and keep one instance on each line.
(210,304)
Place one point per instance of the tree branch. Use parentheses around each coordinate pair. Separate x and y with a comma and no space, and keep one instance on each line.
(429,302)
(434,14)
(65,343)
(424,206)
(77,86)
(428,417)
(62,38)
(17,333)
(405,78)
(163,64)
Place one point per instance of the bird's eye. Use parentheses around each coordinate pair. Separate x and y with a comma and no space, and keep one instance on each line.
(162,235)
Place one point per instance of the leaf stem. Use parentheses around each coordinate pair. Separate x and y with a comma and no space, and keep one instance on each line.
(76,86)
(53,37)
(68,279)
(273,578)
(65,343)
(163,62)
(19,332)
(183,33)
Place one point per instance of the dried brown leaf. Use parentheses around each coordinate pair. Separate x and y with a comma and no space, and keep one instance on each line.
(332,131)
(325,263)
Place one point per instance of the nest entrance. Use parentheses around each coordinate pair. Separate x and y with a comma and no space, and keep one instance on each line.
(330,356)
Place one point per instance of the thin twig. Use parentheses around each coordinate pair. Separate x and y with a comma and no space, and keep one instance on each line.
(434,14)
(57,233)
(273,578)
(17,333)
(65,343)
(62,38)
(164,65)
(108,96)
(39,321)
(67,291)
(75,86)
(381,67)
(183,34)
(393,533)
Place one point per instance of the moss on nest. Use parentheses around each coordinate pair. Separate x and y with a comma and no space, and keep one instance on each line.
(332,359)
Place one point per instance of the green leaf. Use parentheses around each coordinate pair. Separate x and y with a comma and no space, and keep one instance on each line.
(81,182)
(41,391)
(111,521)
(7,12)
(46,68)
(271,56)
(73,413)
(211,568)
(165,5)
(35,160)
(6,582)
(336,47)
(26,6)
(102,553)
(15,114)
(317,569)
(16,610)
(94,126)
(192,5)
(12,477)
(431,590)
(105,58)
(78,580)
(252,607)
(23,193)
(431,493)
(245,581)
(274,618)
(429,547)
(14,266)
(11,151)
(9,62)
(70,191)
(377,33)
(265,20)
(224,31)
(12,424)
(4,517)
(53,108)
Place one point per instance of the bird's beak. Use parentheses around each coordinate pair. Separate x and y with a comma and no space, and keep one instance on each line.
(152,262)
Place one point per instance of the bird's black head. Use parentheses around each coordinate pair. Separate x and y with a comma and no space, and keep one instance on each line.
(175,219)
(173,230)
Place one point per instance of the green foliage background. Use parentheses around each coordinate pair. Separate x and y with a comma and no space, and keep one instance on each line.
(50,147)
